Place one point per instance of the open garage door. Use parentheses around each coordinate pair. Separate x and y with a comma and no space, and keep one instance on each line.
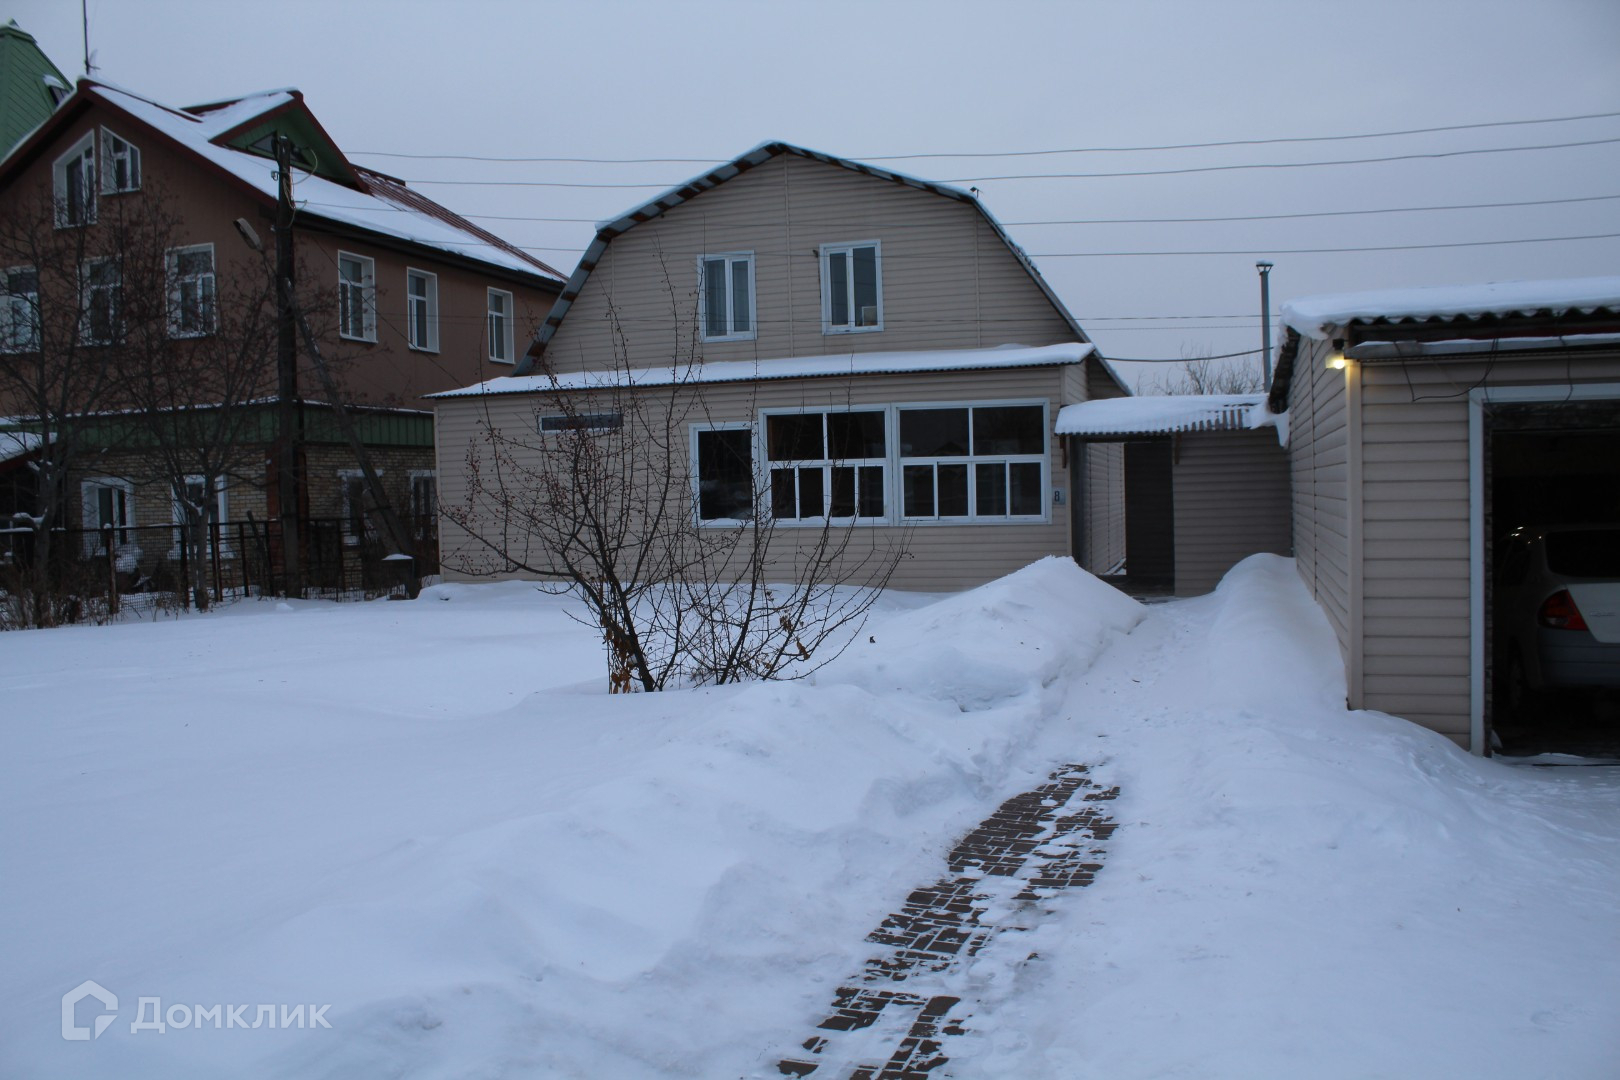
(1551,472)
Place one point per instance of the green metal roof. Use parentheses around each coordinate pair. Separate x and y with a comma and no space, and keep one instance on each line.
(25,98)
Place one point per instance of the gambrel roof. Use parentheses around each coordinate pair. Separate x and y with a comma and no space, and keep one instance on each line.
(660,204)
(231,139)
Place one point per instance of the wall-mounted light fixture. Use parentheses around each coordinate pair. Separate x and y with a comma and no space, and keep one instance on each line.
(1336,359)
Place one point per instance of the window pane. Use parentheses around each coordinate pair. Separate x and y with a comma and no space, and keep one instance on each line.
(714,298)
(842,503)
(990,490)
(725,474)
(871,482)
(855,435)
(866,301)
(418,286)
(1008,429)
(1027,497)
(838,289)
(934,432)
(812,502)
(784,494)
(918,496)
(741,308)
(953,491)
(794,437)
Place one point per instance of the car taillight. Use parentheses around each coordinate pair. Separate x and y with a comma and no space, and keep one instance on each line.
(1559,612)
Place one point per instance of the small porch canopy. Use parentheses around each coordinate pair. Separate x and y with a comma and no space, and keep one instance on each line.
(1172,491)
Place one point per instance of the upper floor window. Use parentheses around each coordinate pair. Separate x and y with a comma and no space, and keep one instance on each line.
(726,296)
(120,164)
(73,183)
(851,287)
(101,302)
(19,309)
(499,330)
(191,291)
(357,297)
(422,310)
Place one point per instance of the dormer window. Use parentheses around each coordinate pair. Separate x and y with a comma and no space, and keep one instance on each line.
(73,180)
(120,164)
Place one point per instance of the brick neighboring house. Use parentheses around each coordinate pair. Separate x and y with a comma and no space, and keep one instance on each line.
(407,297)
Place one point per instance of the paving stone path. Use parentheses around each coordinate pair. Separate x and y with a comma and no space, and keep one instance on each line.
(894,1019)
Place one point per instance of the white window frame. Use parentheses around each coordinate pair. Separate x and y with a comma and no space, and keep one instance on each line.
(757,490)
(499,327)
(730,259)
(345,478)
(428,302)
(363,292)
(765,465)
(87,293)
(204,283)
(124,535)
(223,510)
(19,309)
(111,155)
(83,152)
(848,250)
(970,460)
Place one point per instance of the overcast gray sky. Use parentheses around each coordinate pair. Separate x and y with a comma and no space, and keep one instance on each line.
(874,79)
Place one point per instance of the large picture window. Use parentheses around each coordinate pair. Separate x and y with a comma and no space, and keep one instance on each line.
(827,464)
(973,462)
(726,296)
(851,287)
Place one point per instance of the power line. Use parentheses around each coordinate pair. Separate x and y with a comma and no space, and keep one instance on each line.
(1008,153)
(892,257)
(1430,156)
(1179,360)
(1106,221)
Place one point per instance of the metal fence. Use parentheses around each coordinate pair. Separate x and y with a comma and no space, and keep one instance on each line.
(93,574)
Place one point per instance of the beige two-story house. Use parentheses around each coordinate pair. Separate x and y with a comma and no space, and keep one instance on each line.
(872,352)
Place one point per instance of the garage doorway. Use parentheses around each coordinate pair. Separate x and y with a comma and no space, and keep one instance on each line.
(1546,531)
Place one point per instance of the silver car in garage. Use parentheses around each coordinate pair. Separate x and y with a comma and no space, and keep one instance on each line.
(1557,609)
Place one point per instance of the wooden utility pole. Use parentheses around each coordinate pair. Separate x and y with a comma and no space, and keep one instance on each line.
(287,480)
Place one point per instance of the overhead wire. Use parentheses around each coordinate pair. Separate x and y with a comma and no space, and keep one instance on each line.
(1013,153)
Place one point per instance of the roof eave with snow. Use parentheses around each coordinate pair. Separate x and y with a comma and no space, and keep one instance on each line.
(932,361)
(1161,415)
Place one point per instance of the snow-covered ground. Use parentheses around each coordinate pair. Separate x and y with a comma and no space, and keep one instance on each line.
(431,818)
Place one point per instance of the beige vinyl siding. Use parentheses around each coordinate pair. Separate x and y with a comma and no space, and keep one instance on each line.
(948,282)
(1318,448)
(1103,496)
(1231,501)
(1415,513)
(940,557)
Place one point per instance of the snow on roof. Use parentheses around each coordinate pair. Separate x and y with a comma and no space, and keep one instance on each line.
(385,208)
(1160,414)
(798,367)
(1316,316)
(14,444)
